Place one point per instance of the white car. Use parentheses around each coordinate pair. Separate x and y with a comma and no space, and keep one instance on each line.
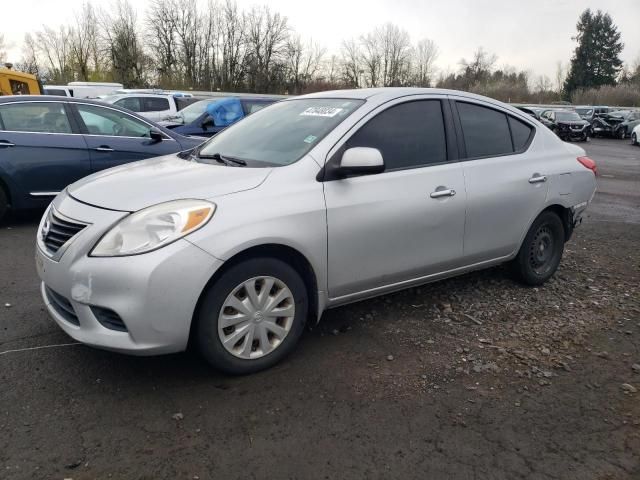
(635,135)
(154,106)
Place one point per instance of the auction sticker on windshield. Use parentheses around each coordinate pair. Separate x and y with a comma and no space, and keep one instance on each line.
(321,111)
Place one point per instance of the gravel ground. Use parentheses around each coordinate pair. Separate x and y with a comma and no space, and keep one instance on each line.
(470,378)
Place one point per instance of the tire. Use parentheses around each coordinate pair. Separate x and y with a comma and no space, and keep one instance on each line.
(541,250)
(622,134)
(4,203)
(272,338)
(634,139)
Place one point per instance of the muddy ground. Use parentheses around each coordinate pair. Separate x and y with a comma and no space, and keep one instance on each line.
(471,378)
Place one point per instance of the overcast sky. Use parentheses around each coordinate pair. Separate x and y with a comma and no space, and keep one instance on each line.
(530,35)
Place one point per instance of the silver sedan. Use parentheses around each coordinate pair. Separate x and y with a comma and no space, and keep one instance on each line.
(314,202)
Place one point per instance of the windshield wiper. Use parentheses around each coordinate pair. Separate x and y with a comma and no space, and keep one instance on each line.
(223,159)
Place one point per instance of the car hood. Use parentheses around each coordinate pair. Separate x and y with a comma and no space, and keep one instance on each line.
(141,184)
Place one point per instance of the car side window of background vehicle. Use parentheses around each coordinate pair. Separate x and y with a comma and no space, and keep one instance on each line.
(45,117)
(105,121)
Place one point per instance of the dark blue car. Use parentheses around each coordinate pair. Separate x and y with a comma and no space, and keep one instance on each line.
(207,117)
(49,142)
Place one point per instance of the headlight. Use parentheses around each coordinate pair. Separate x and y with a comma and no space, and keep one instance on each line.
(154,227)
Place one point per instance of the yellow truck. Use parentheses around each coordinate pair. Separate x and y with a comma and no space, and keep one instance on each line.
(13,82)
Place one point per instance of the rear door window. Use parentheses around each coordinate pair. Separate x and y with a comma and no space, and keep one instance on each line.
(130,103)
(485,130)
(154,104)
(36,117)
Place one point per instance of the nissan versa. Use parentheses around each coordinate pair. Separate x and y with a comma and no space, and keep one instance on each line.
(310,203)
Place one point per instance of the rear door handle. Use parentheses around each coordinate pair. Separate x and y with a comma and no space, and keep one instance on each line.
(4,143)
(104,148)
(537,178)
(447,192)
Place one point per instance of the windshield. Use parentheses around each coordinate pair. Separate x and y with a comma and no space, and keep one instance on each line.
(584,111)
(191,113)
(567,116)
(281,133)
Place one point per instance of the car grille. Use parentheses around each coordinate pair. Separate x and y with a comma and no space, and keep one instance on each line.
(58,231)
(62,306)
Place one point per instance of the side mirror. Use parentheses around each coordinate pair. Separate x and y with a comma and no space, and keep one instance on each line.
(207,122)
(156,135)
(361,161)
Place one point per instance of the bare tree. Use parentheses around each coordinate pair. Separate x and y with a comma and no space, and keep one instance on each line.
(29,62)
(371,58)
(188,30)
(425,55)
(128,61)
(352,63)
(233,31)
(303,61)
(561,75)
(161,37)
(395,55)
(55,47)
(266,42)
(3,49)
(83,40)
(479,67)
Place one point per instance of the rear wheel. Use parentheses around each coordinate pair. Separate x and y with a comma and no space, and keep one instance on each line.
(252,316)
(541,251)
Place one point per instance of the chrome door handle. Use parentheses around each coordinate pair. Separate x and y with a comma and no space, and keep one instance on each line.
(537,179)
(104,149)
(443,193)
(6,144)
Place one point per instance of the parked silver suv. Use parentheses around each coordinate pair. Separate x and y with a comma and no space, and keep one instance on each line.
(311,203)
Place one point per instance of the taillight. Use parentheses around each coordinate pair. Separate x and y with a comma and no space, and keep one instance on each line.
(588,163)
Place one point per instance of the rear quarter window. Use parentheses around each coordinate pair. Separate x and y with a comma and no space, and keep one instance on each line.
(521,133)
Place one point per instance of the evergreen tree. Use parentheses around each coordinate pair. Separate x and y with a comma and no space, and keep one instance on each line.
(596,60)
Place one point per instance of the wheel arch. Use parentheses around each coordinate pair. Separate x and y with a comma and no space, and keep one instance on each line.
(282,252)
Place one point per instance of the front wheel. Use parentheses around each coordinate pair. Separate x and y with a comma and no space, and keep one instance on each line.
(541,251)
(622,134)
(252,316)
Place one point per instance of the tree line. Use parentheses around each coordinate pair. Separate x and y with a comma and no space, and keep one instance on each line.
(183,44)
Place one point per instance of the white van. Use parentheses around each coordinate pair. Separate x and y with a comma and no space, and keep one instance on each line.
(93,89)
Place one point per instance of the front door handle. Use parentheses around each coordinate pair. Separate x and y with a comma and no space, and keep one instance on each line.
(537,178)
(4,143)
(447,192)
(104,148)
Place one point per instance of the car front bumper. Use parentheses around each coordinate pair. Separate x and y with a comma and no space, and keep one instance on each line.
(151,296)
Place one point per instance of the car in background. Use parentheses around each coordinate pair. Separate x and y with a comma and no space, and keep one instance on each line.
(618,124)
(13,82)
(47,143)
(314,202)
(588,112)
(534,112)
(635,135)
(154,106)
(58,90)
(567,125)
(207,117)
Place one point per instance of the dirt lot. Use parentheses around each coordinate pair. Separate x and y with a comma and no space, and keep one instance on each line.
(470,378)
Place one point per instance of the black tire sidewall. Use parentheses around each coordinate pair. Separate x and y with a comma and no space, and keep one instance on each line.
(523,267)
(206,318)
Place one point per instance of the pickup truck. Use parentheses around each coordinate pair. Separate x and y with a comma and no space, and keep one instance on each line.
(154,106)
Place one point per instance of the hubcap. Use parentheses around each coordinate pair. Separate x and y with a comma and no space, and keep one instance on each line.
(256,317)
(541,250)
